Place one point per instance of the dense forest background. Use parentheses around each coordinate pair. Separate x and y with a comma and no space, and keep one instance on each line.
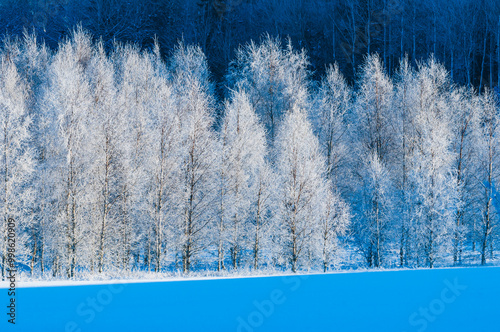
(464,35)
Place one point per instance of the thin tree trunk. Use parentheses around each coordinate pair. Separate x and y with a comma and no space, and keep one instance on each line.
(385,35)
(353,48)
(220,246)
(452,65)
(159,206)
(105,206)
(333,31)
(257,229)
(368,29)
(401,56)
(498,52)
(34,250)
(490,74)
(483,60)
(414,35)
(489,195)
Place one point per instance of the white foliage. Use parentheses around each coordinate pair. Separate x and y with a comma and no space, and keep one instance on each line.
(70,98)
(332,105)
(197,157)
(301,170)
(374,141)
(17,162)
(243,185)
(274,78)
(432,177)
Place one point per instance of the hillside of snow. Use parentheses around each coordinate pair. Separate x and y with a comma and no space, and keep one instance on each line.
(459,299)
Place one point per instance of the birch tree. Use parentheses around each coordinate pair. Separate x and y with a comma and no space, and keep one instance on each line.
(333,104)
(33,61)
(435,184)
(197,154)
(375,139)
(405,99)
(17,160)
(70,97)
(163,164)
(242,171)
(134,98)
(104,150)
(489,175)
(464,107)
(274,78)
(334,222)
(301,170)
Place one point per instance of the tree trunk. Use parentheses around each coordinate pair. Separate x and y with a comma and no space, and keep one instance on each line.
(483,60)
(498,52)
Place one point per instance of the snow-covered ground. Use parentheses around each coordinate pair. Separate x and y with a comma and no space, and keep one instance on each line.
(453,299)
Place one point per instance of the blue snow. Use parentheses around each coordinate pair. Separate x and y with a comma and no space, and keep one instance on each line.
(454,299)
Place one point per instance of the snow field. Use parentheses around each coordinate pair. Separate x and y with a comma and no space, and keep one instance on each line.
(455,299)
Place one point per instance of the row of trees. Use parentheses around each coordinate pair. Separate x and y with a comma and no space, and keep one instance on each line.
(120,161)
(464,35)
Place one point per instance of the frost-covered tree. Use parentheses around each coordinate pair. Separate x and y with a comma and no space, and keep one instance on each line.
(17,159)
(262,216)
(465,108)
(404,101)
(373,228)
(332,105)
(334,222)
(242,170)
(223,198)
(163,164)
(488,171)
(104,150)
(70,98)
(197,155)
(434,163)
(274,78)
(134,96)
(300,169)
(434,191)
(375,140)
(33,62)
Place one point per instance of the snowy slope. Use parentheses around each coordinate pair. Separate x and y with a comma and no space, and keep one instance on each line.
(462,299)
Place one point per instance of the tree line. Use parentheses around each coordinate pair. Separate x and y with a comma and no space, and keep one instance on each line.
(123,161)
